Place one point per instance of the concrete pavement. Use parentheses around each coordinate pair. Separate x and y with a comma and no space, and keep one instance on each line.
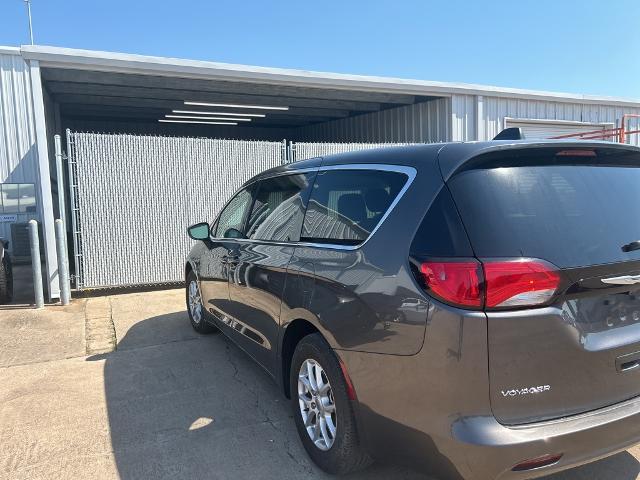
(168,403)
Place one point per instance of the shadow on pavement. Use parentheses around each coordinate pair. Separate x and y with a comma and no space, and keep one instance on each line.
(622,466)
(181,405)
(184,406)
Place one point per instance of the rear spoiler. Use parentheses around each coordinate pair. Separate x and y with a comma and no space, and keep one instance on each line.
(455,157)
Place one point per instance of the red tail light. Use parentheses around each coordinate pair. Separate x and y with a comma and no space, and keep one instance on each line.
(492,283)
(454,282)
(518,283)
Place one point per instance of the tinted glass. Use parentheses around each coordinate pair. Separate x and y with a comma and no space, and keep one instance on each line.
(441,233)
(570,215)
(17,198)
(346,205)
(279,206)
(10,197)
(231,219)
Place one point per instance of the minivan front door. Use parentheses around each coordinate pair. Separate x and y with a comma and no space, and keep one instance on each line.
(213,279)
(222,249)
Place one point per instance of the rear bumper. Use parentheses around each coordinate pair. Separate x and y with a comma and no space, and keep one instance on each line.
(432,411)
(491,449)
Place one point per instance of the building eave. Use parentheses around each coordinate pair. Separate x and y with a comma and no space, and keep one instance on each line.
(141,64)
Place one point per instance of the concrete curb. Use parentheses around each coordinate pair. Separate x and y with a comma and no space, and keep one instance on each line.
(100,332)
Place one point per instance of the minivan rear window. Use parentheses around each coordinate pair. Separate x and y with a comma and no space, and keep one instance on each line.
(571,215)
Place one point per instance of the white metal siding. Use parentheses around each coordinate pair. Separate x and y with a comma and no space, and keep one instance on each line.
(18,151)
(425,122)
(18,159)
(554,128)
(463,118)
(494,110)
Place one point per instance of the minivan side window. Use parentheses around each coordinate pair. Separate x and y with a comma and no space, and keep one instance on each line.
(346,205)
(278,208)
(231,219)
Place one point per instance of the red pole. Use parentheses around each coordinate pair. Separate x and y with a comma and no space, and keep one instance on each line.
(623,126)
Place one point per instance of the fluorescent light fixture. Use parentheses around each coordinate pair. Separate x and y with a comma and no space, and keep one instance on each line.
(196,112)
(195,117)
(233,105)
(194,121)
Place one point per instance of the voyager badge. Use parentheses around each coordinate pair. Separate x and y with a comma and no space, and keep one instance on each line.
(518,392)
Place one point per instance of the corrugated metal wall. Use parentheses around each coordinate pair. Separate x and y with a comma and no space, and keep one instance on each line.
(18,152)
(466,110)
(425,122)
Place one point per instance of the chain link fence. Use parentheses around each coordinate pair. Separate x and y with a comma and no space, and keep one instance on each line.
(134,196)
(302,150)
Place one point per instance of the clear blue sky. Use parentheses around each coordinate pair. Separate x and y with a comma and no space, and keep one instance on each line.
(563,45)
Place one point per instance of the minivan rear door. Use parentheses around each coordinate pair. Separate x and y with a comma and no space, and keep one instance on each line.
(258,271)
(579,209)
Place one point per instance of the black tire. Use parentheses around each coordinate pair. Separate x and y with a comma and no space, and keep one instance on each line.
(6,281)
(347,453)
(201,325)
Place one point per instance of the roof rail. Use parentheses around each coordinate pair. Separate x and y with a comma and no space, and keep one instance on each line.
(511,133)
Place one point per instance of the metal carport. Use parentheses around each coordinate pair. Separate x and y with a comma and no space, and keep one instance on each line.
(128,94)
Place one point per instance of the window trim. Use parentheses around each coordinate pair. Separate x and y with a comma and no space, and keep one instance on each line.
(410,172)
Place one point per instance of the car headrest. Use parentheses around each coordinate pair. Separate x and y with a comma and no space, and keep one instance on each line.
(352,206)
(377,199)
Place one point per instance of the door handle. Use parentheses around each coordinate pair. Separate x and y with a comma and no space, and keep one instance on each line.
(626,363)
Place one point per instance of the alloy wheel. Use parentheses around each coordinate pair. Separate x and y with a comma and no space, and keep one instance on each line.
(195,302)
(317,404)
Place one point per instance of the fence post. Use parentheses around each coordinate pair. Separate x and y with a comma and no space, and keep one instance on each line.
(283,152)
(60,174)
(73,213)
(35,263)
(63,263)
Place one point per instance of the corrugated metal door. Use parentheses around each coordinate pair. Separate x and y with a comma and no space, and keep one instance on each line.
(549,129)
(134,196)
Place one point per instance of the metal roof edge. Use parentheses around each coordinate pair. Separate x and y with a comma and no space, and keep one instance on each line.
(7,50)
(142,64)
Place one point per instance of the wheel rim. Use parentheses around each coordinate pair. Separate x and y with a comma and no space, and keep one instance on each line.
(317,405)
(195,302)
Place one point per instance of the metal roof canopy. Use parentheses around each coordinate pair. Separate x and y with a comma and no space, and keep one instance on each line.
(136,87)
(110,86)
(149,97)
